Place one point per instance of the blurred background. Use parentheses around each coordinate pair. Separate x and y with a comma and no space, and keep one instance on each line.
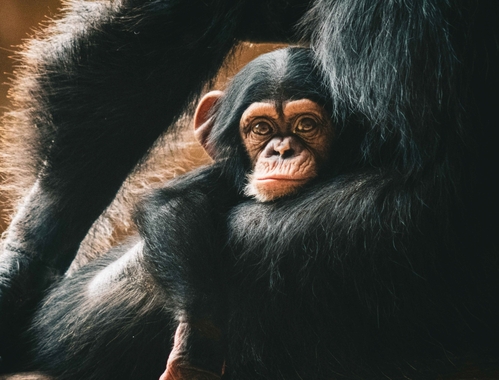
(18,21)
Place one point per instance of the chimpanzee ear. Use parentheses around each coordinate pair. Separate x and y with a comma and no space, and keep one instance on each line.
(203,120)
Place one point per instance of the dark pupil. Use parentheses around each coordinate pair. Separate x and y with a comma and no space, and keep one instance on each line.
(261,129)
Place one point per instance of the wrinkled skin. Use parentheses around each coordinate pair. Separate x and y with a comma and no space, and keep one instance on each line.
(286,146)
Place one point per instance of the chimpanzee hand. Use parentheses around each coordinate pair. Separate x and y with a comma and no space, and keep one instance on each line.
(191,340)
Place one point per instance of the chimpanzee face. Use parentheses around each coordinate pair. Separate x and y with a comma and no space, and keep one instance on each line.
(286,143)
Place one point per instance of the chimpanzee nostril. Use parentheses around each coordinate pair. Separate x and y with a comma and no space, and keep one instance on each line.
(283,153)
(287,153)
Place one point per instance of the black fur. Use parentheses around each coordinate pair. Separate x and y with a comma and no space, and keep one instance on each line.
(387,268)
(131,297)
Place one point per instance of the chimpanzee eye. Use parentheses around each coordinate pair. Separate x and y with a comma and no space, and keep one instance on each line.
(262,128)
(305,124)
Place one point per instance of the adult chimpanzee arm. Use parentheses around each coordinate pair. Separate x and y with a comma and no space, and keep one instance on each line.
(350,285)
(100,89)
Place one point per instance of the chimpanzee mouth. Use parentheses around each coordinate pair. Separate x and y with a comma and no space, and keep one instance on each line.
(284,178)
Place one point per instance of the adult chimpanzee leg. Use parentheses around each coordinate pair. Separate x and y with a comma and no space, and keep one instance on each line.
(97,91)
(109,312)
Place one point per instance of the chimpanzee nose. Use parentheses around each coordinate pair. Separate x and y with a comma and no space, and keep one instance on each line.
(283,147)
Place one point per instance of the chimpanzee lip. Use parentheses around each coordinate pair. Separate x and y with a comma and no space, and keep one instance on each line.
(284,178)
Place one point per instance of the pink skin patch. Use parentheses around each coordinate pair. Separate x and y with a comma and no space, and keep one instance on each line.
(178,366)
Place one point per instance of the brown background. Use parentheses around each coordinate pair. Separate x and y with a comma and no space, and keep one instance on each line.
(18,20)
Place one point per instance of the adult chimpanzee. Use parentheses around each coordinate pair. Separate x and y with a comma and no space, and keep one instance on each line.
(412,242)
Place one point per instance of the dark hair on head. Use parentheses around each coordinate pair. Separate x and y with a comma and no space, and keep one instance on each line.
(281,75)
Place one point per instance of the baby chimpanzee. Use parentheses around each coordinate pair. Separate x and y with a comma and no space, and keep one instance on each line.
(270,134)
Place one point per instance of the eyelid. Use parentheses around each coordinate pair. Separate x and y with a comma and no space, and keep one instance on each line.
(317,120)
(259,120)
